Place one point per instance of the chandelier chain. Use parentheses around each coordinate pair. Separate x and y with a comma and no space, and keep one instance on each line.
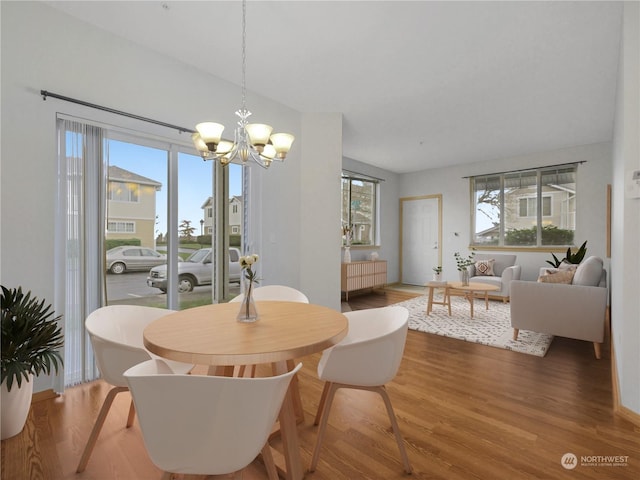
(244,54)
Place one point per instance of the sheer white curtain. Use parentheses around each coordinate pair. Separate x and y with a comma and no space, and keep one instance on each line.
(79,240)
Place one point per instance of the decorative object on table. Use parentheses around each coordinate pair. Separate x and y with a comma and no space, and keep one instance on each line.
(31,338)
(463,263)
(572,258)
(248,311)
(437,274)
(252,140)
(373,256)
(346,233)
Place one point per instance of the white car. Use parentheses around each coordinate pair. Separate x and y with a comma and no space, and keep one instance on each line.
(129,258)
(194,271)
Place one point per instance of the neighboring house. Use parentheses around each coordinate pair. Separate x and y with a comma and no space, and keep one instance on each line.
(520,209)
(235,215)
(131,210)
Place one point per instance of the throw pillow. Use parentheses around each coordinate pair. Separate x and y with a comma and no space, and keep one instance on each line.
(561,276)
(485,267)
(589,272)
(567,266)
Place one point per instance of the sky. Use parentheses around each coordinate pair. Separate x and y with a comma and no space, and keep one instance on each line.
(194,179)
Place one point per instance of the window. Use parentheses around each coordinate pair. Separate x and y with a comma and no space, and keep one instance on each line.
(529,206)
(124,192)
(525,208)
(121,227)
(359,210)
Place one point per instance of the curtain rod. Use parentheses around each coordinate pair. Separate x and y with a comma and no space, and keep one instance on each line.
(46,94)
(528,169)
(362,176)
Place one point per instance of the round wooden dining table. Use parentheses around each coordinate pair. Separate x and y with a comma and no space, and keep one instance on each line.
(211,335)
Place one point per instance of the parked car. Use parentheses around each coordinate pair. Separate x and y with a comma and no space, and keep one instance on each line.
(194,271)
(129,258)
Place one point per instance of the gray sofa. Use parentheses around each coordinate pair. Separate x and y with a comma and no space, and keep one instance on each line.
(576,310)
(505,270)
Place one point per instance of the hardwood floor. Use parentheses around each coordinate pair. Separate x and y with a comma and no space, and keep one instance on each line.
(466,411)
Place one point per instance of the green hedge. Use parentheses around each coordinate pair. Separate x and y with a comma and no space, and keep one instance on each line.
(112,243)
(551,235)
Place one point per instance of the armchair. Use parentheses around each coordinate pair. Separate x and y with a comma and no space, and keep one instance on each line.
(576,310)
(504,271)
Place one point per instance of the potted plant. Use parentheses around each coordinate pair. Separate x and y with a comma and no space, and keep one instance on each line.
(30,340)
(573,258)
(462,264)
(437,273)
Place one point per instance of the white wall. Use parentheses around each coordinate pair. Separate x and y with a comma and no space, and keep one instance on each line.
(44,49)
(625,261)
(593,177)
(319,225)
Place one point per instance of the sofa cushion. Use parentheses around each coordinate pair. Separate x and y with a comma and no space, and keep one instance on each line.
(559,276)
(485,267)
(589,272)
(502,261)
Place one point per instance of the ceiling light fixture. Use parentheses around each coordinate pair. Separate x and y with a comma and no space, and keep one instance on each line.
(251,140)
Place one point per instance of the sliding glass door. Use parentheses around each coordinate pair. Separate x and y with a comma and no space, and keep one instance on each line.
(152,187)
(140,221)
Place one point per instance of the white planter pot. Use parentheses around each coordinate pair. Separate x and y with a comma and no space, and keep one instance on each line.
(437,277)
(15,407)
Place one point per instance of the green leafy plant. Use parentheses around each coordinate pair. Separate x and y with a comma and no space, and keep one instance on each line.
(464,262)
(570,257)
(30,338)
(437,269)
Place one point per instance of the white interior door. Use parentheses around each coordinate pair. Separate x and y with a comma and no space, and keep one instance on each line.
(421,238)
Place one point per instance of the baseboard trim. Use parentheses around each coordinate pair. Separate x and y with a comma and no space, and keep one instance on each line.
(43,395)
(619,409)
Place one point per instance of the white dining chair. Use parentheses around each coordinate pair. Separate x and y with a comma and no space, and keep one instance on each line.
(115,332)
(206,425)
(281,293)
(366,359)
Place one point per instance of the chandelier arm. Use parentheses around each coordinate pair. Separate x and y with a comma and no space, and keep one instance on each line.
(242,147)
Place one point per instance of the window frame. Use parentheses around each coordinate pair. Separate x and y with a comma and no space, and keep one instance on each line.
(499,206)
(375,209)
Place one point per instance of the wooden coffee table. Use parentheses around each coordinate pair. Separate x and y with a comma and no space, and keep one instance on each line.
(474,289)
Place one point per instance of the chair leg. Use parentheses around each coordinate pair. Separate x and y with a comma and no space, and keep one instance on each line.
(324,413)
(102,416)
(597,347)
(269,463)
(396,429)
(323,399)
(515,333)
(132,414)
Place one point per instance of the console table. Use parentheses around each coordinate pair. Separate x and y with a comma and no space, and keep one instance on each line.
(361,275)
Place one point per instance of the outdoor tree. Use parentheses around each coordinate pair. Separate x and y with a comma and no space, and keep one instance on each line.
(185,229)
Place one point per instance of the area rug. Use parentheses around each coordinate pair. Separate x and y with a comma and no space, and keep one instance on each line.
(487,327)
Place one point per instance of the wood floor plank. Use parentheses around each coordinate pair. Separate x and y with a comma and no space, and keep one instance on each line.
(466,412)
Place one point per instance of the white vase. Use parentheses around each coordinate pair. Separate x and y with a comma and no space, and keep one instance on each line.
(347,255)
(437,277)
(15,406)
(464,276)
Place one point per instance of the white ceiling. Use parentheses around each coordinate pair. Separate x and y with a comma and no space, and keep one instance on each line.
(421,84)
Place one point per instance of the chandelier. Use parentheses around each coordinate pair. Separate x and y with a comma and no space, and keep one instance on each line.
(251,140)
